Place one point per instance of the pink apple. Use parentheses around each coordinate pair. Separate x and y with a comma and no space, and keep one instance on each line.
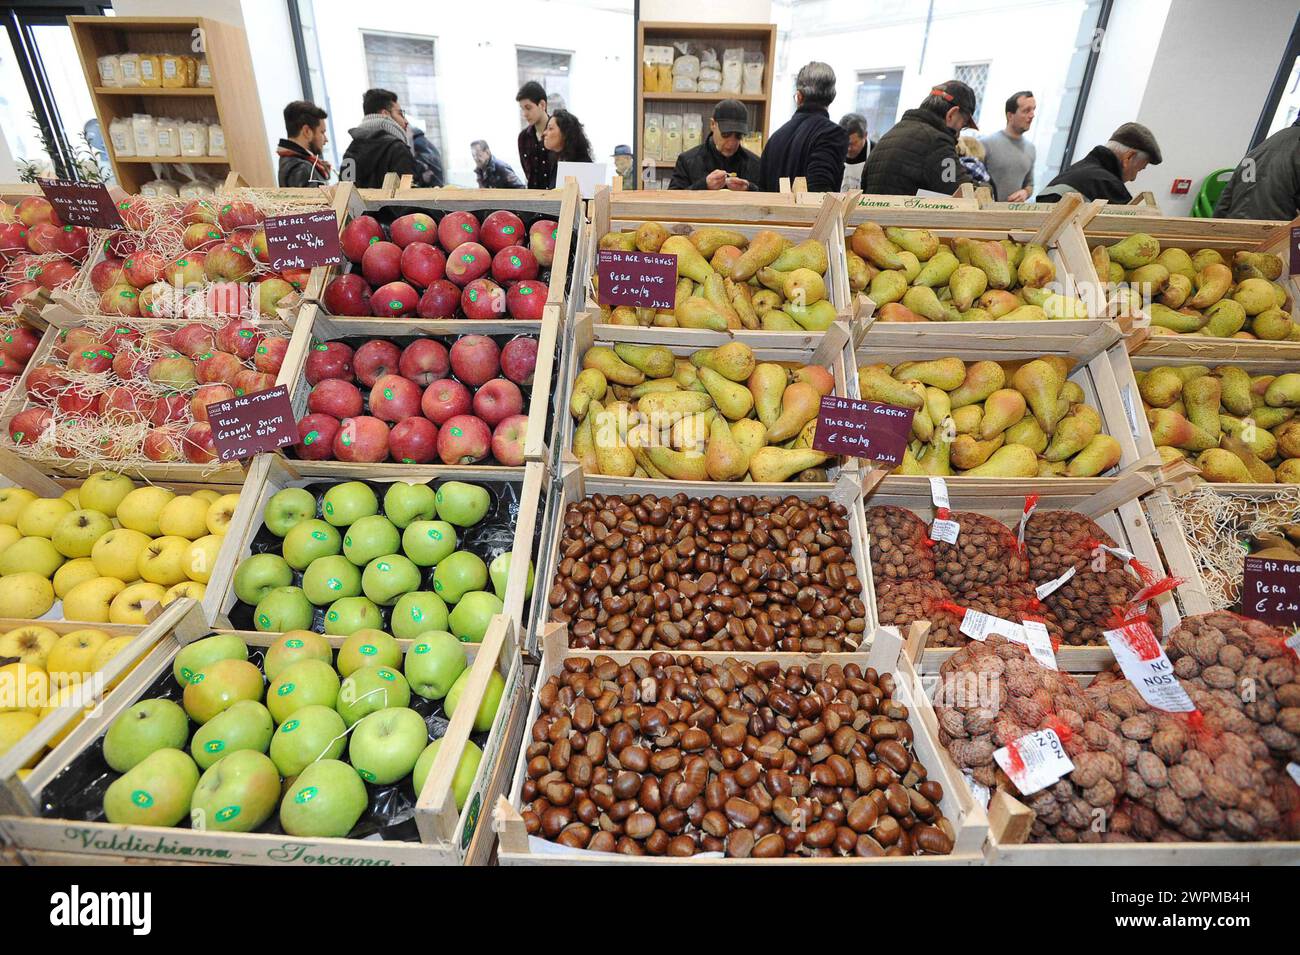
(394,300)
(464,439)
(160,300)
(440,300)
(121,244)
(56,274)
(328,360)
(91,362)
(44,382)
(225,260)
(41,238)
(415,227)
(72,241)
(125,404)
(498,400)
(130,362)
(361,439)
(541,239)
(508,440)
(456,228)
(382,263)
(105,274)
(187,271)
(298,278)
(468,262)
(375,358)
(78,402)
(240,338)
(335,397)
(197,443)
(414,441)
(424,361)
(238,215)
(423,264)
(34,209)
(194,340)
(172,371)
(19,344)
(501,229)
(347,295)
(270,354)
(393,398)
(475,359)
(444,400)
(119,300)
(17,292)
(316,434)
(162,446)
(514,263)
(258,247)
(199,211)
(71,340)
(27,426)
(249,382)
(519,360)
(168,408)
(526,300)
(217,367)
(200,235)
(13,237)
(229,299)
(208,395)
(358,235)
(483,299)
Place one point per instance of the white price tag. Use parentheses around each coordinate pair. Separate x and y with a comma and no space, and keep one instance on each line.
(1293,770)
(1120,552)
(978,791)
(945,531)
(1130,412)
(1034,761)
(1042,590)
(1039,642)
(1145,665)
(939,492)
(1293,642)
(978,625)
(1031,505)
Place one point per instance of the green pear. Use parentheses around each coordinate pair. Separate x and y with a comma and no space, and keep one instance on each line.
(1135,251)
(944,373)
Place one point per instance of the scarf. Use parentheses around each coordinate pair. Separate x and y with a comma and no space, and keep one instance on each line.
(387,124)
(319,163)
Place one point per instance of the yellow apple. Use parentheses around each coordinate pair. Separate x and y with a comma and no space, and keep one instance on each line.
(75,652)
(31,645)
(72,497)
(186,588)
(141,509)
(74,694)
(13,727)
(89,600)
(201,557)
(163,561)
(104,491)
(23,688)
(12,502)
(76,533)
(32,554)
(39,518)
(208,495)
(184,516)
(220,513)
(8,535)
(132,605)
(109,649)
(25,596)
(72,573)
(117,553)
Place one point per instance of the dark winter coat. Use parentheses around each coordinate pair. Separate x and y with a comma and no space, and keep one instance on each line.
(428,162)
(373,153)
(497,174)
(694,165)
(918,152)
(299,167)
(1272,190)
(809,145)
(1096,176)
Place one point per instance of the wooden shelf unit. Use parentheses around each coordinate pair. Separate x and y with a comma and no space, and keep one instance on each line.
(759,37)
(231,100)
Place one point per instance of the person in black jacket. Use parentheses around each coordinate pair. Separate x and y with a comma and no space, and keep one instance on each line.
(492,173)
(1102,173)
(920,150)
(380,144)
(810,144)
(720,162)
(301,163)
(535,160)
(428,161)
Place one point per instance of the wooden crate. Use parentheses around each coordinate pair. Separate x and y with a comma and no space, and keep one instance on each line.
(320,197)
(271,473)
(680,216)
(546,383)
(445,834)
(832,351)
(887,654)
(61,318)
(16,794)
(1100,366)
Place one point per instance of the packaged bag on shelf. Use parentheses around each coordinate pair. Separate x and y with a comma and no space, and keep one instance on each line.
(649,70)
(672,146)
(710,81)
(122,137)
(168,134)
(733,62)
(129,69)
(191,70)
(654,136)
(686,65)
(203,76)
(708,59)
(160,187)
(146,136)
(150,70)
(753,74)
(753,142)
(685,84)
(692,130)
(194,139)
(173,71)
(110,73)
(216,140)
(196,189)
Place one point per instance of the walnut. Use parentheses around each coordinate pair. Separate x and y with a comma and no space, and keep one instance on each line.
(1138,726)
(1184,781)
(971,753)
(1219,677)
(1153,772)
(1220,790)
(1167,744)
(1289,719)
(1102,795)
(1170,808)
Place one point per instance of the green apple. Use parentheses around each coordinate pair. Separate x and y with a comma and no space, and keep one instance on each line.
(287,508)
(195,656)
(313,732)
(310,540)
(155,792)
(470,617)
(145,727)
(329,578)
(368,647)
(433,662)
(246,725)
(237,793)
(349,614)
(499,570)
(389,577)
(371,688)
(404,503)
(305,683)
(219,686)
(461,781)
(427,542)
(487,709)
(369,538)
(35,555)
(324,802)
(76,534)
(284,608)
(458,574)
(462,504)
(417,612)
(103,491)
(295,645)
(347,503)
(386,744)
(258,575)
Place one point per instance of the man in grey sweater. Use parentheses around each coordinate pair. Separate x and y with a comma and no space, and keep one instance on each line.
(1266,184)
(1009,156)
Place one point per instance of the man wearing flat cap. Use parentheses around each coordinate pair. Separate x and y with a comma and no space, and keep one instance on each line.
(720,162)
(1102,173)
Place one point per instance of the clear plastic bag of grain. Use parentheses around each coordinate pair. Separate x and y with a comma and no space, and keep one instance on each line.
(986,553)
(900,544)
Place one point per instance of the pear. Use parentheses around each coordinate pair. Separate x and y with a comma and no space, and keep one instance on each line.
(654,361)
(1272,324)
(734,360)
(698,312)
(945,373)
(650,237)
(967,419)
(1261,265)
(921,300)
(1010,460)
(817,376)
(742,305)
(814,318)
(860,274)
(764,301)
(909,466)
(878,385)
(1235,389)
(690,262)
(767,384)
(911,266)
(724,260)
(615,370)
(1211,283)
(774,465)
(1176,291)
(1182,321)
(1222,467)
(1002,409)
(1056,306)
(870,242)
(715,293)
(938,270)
(1072,392)
(1035,269)
(1040,382)
(1288,472)
(690,432)
(1135,251)
(967,284)
(675,403)
(618,241)
(764,249)
(997,302)
(154,792)
(898,312)
(982,379)
(750,435)
(1201,397)
(937,404)
(613,457)
(778,321)
(733,400)
(1072,435)
(687,376)
(922,424)
(991,257)
(936,459)
(1051,468)
(708,240)
(584,446)
(1177,262)
(1203,257)
(653,387)
(799,405)
(1161,386)
(1101,454)
(1260,473)
(804,287)
(1171,428)
(772,280)
(809,254)
(1283,391)
(968,453)
(590,384)
(1151,278)
(1028,432)
(888,286)
(678,465)
(724,460)
(922,243)
(1015,253)
(1101,262)
(1286,440)
(1224,319)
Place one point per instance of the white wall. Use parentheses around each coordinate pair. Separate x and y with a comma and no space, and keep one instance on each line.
(717,11)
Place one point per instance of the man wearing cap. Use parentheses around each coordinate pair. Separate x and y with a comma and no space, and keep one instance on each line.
(623,166)
(810,144)
(720,162)
(920,151)
(1102,173)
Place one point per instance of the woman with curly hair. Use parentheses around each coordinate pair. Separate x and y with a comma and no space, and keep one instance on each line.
(565,137)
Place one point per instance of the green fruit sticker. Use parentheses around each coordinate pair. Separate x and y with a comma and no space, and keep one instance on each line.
(467,227)
(332,616)
(467,257)
(435,533)
(417,615)
(290,726)
(227,813)
(366,774)
(388,393)
(368,650)
(333,584)
(329,508)
(320,347)
(473,295)
(187,674)
(514,260)
(525,288)
(214,746)
(318,535)
(383,565)
(311,437)
(306,794)
(373,240)
(264,620)
(198,678)
(408,460)
(421,648)
(284,689)
(245,333)
(457,432)
(420,227)
(142,798)
(346,439)
(437,586)
(508,230)
(261,349)
(555,233)
(395,305)
(293,644)
(471,821)
(347,541)
(205,356)
(386,675)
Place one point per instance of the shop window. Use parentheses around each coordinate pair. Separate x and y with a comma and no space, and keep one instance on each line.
(877,100)
(551,69)
(406,65)
(976,76)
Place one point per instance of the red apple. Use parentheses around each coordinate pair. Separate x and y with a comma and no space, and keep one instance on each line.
(240,338)
(217,367)
(144,268)
(361,439)
(358,235)
(382,263)
(519,359)
(55,274)
(71,340)
(121,244)
(249,382)
(199,211)
(501,229)
(273,294)
(270,354)
(393,398)
(414,441)
(172,371)
(464,439)
(197,443)
(445,399)
(122,336)
(16,292)
(415,227)
(194,340)
(27,426)
(44,382)
(130,362)
(541,239)
(526,300)
(497,400)
(200,236)
(514,263)
(19,344)
(226,260)
(424,361)
(237,215)
(475,359)
(328,360)
(335,397)
(119,300)
(468,262)
(508,440)
(72,241)
(316,437)
(423,264)
(298,278)
(375,358)
(258,246)
(347,295)
(124,404)
(160,300)
(34,209)
(91,361)
(206,395)
(483,299)
(456,228)
(42,238)
(79,402)
(394,300)
(440,300)
(229,299)
(162,446)
(187,271)
(244,238)
(169,407)
(13,237)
